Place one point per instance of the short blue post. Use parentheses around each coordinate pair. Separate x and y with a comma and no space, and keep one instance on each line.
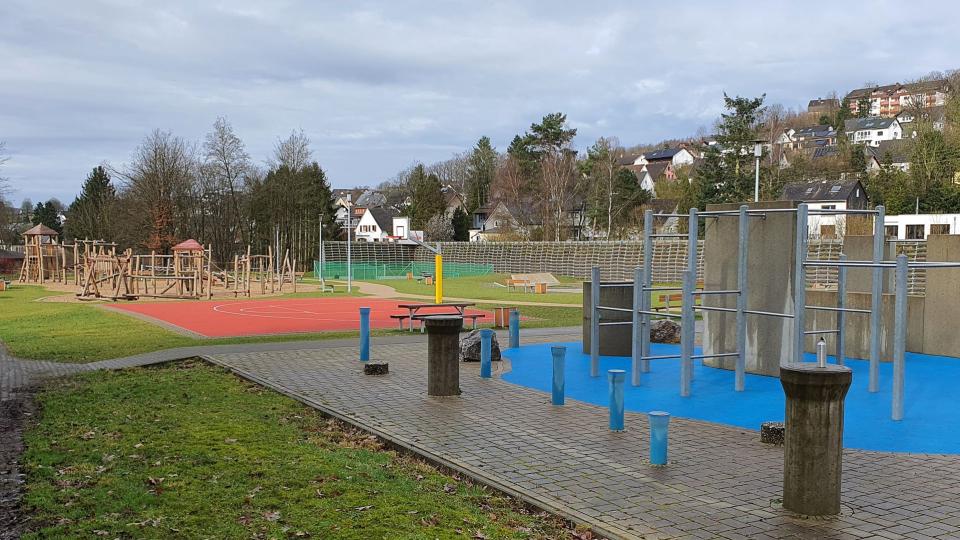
(559,363)
(616,378)
(659,422)
(486,347)
(514,328)
(364,334)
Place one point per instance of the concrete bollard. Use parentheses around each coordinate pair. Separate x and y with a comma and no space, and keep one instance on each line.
(659,426)
(364,334)
(559,364)
(514,328)
(616,378)
(486,348)
(443,351)
(813,441)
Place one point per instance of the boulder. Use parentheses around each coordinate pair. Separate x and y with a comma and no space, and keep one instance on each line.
(470,347)
(664,331)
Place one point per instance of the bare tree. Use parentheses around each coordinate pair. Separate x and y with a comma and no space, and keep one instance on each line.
(452,172)
(293,152)
(226,167)
(560,184)
(4,157)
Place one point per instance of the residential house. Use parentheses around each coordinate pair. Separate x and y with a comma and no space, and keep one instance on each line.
(805,137)
(375,224)
(936,115)
(676,156)
(498,220)
(872,130)
(896,154)
(452,200)
(920,226)
(889,100)
(822,106)
(828,195)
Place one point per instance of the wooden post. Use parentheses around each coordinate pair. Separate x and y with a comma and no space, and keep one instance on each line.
(210,272)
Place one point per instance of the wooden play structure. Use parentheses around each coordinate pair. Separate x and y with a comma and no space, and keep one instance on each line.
(101,272)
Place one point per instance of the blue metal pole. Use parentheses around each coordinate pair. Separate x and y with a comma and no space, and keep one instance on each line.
(514,328)
(364,334)
(659,423)
(486,347)
(616,378)
(559,364)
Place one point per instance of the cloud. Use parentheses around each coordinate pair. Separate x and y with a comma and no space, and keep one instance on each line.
(378,85)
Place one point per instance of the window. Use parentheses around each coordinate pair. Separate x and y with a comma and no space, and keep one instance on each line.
(940,228)
(890,231)
(828,207)
(914,232)
(879,134)
(828,231)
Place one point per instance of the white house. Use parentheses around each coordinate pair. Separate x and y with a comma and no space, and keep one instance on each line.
(675,156)
(796,138)
(375,225)
(827,195)
(871,131)
(920,226)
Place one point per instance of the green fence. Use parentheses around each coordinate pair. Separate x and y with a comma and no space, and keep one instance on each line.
(375,270)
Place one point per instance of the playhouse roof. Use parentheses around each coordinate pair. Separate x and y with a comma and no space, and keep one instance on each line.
(188,245)
(40,230)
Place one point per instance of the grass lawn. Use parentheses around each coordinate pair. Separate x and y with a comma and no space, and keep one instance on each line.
(190,451)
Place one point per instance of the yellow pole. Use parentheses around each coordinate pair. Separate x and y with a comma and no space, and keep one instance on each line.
(438,278)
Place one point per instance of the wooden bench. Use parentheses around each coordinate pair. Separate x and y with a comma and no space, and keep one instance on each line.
(400,319)
(519,284)
(665,299)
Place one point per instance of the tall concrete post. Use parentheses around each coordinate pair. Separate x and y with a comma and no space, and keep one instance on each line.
(813,442)
(443,350)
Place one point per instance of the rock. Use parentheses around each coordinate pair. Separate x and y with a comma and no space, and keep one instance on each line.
(664,331)
(771,433)
(376,368)
(470,348)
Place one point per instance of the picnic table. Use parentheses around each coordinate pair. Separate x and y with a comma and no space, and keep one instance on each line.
(446,308)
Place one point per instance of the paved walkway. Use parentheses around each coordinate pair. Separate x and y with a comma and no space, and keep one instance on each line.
(721,482)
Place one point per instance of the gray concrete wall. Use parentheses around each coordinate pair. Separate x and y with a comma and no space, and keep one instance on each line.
(770,278)
(858,325)
(615,340)
(860,248)
(942,313)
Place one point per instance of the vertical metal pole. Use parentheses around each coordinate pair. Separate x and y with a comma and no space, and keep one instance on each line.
(514,328)
(744,231)
(616,377)
(635,348)
(559,384)
(821,353)
(659,425)
(687,330)
(799,283)
(486,350)
(648,282)
(594,322)
(349,260)
(841,347)
(899,336)
(693,233)
(320,254)
(876,301)
(364,334)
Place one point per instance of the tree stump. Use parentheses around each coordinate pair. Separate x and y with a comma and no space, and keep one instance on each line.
(443,351)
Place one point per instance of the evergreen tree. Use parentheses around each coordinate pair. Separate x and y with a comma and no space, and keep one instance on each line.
(482,167)
(726,174)
(47,214)
(426,198)
(461,225)
(89,215)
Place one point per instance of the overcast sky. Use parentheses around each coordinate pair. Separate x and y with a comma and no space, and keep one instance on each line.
(377,86)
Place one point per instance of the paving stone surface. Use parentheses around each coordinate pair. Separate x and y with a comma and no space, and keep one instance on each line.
(721,481)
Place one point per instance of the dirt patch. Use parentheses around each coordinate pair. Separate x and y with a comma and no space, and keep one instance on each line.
(15,415)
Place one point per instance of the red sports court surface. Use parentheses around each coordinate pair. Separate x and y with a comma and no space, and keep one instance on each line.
(232,318)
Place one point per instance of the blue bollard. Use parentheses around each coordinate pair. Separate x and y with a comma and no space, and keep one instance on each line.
(616,378)
(364,334)
(559,362)
(486,348)
(659,422)
(514,328)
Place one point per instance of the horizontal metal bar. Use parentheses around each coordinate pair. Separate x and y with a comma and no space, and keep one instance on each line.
(716,355)
(714,308)
(610,308)
(845,310)
(769,313)
(660,314)
(811,332)
(729,291)
(660,357)
(662,288)
(615,283)
(668,235)
(851,264)
(614,323)
(838,211)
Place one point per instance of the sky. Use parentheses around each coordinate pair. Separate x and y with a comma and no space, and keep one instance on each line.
(377,86)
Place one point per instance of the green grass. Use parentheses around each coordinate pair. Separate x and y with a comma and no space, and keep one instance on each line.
(484,288)
(189,451)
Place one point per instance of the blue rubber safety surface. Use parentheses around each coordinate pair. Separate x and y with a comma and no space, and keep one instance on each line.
(931,422)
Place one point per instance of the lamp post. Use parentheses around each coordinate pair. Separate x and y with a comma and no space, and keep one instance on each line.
(349,239)
(757,152)
(320,253)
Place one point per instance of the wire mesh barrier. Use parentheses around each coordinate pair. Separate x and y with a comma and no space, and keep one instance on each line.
(916,251)
(397,270)
(824,249)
